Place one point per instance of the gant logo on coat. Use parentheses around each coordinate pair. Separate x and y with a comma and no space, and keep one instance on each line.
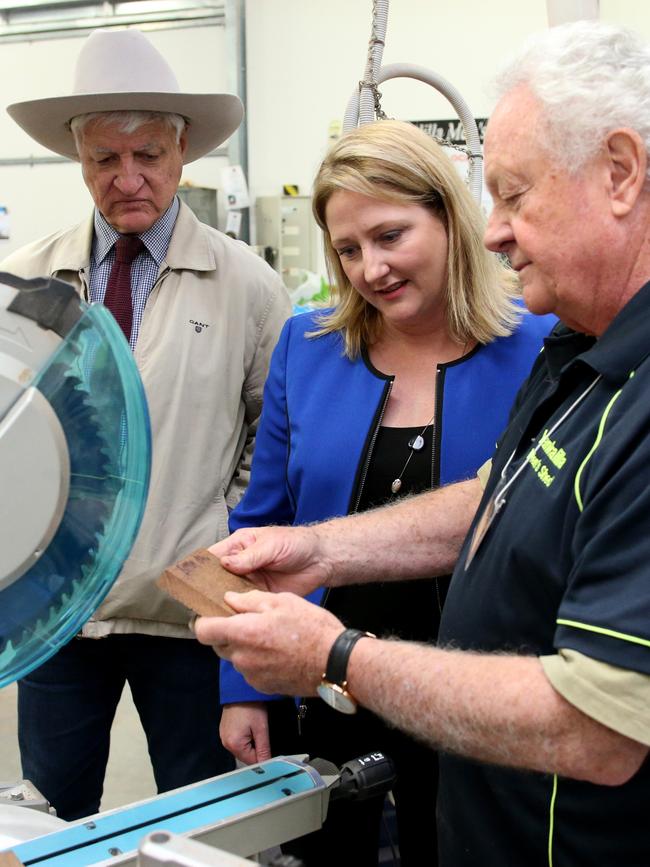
(199,326)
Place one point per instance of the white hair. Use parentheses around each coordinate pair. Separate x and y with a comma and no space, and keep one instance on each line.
(127,121)
(590,78)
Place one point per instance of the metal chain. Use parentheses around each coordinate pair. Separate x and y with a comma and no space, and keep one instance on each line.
(370,82)
(443,142)
(380,114)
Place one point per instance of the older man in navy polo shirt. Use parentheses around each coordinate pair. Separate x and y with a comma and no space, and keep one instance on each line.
(540,693)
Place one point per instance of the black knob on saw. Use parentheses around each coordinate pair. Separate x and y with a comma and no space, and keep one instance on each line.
(366,777)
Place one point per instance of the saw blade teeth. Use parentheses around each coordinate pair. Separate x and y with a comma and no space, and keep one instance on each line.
(7,654)
(92,385)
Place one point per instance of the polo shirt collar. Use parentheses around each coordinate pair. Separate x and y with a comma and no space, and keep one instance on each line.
(619,350)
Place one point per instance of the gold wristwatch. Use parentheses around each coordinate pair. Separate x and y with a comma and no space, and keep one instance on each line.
(333,688)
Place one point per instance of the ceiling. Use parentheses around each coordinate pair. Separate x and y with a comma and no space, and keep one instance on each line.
(31,19)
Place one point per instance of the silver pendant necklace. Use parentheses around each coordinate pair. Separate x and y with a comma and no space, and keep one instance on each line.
(416,444)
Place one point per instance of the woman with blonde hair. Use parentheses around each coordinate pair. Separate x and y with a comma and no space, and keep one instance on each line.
(404,385)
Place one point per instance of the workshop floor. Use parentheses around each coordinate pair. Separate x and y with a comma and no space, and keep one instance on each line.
(128,777)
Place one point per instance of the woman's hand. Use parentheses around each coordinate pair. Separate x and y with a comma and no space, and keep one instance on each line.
(244,730)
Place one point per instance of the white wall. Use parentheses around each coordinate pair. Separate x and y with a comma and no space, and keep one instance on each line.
(304,60)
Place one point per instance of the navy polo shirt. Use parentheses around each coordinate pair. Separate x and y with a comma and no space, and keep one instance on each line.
(564,564)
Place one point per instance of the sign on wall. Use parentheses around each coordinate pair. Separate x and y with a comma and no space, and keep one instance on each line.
(450,130)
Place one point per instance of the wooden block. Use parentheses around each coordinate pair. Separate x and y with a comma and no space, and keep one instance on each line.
(199,581)
(8,859)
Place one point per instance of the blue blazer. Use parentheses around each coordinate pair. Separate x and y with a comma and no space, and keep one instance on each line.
(319,414)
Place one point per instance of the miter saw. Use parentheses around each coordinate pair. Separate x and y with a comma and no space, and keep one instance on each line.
(75,459)
(244,812)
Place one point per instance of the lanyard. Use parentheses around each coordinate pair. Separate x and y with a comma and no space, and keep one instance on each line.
(497,501)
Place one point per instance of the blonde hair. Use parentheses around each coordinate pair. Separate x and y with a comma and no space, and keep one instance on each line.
(394,161)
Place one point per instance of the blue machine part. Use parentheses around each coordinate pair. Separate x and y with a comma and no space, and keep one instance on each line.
(223,798)
(91,383)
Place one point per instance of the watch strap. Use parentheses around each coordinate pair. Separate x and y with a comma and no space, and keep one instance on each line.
(337,661)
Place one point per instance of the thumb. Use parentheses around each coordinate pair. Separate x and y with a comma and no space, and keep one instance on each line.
(247,754)
(256,555)
(263,750)
(250,601)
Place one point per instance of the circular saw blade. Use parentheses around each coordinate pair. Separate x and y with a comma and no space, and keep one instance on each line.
(93,387)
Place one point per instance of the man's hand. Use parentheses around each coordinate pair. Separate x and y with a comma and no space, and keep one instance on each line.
(415,538)
(244,730)
(279,642)
(275,558)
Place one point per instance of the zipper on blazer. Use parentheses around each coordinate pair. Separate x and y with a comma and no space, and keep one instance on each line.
(436,422)
(434,439)
(371,448)
(364,472)
(302,706)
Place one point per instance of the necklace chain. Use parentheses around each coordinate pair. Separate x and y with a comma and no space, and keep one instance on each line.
(415,445)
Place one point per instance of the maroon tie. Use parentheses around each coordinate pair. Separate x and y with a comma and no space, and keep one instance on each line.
(118,288)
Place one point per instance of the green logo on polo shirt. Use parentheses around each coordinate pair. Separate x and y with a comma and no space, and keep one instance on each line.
(555,456)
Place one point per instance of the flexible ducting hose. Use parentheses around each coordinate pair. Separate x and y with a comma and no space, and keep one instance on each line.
(420,73)
(363,105)
(367,106)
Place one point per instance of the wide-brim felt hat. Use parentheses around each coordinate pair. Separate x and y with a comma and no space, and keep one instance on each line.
(120,70)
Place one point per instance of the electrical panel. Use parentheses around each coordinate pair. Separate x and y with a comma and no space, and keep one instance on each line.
(203,201)
(286,233)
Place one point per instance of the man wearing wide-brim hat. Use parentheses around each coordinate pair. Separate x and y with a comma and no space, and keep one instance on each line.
(202,314)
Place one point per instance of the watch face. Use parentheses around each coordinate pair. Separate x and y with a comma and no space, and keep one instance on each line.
(335,696)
